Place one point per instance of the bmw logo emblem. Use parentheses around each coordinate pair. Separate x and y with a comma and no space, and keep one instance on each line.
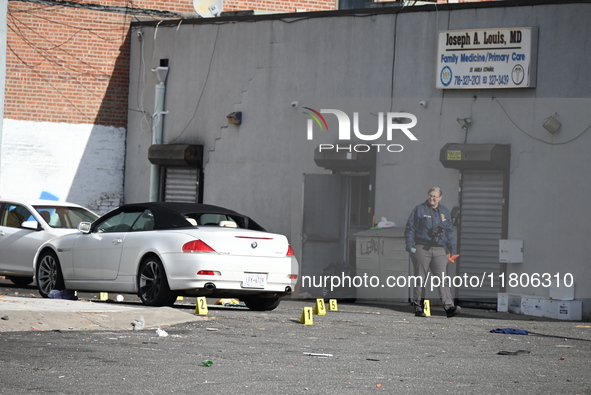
(254,244)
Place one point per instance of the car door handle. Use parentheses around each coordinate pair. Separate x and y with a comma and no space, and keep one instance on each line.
(117,241)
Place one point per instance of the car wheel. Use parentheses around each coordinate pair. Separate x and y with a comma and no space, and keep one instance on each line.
(21,281)
(261,304)
(49,274)
(153,287)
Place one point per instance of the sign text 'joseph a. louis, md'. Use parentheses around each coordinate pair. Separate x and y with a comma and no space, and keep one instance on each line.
(487,58)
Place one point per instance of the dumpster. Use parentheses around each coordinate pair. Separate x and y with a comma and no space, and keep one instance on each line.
(383,264)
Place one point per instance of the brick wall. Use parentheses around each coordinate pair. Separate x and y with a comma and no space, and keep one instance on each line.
(70,64)
(66,64)
(281,6)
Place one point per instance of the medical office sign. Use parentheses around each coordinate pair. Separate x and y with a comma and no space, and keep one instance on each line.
(487,58)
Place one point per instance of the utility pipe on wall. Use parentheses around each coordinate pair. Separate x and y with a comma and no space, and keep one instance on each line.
(157,129)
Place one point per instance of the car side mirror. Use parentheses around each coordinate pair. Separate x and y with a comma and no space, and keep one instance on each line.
(84,227)
(32,225)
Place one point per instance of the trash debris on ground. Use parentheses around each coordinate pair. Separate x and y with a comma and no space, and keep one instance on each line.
(229,302)
(138,324)
(313,354)
(518,352)
(5,318)
(509,331)
(207,362)
(226,302)
(62,294)
(161,332)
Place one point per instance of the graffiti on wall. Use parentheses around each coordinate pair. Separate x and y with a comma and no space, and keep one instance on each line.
(371,246)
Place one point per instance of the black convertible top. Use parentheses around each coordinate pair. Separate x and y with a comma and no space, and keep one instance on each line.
(171,215)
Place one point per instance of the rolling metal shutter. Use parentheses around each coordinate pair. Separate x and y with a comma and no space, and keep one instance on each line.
(482,224)
(181,184)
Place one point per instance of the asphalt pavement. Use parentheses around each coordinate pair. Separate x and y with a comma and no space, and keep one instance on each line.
(91,347)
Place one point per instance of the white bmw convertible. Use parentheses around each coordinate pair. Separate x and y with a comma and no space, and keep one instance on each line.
(163,250)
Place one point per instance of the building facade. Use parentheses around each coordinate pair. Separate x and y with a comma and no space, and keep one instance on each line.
(66,90)
(233,109)
(506,145)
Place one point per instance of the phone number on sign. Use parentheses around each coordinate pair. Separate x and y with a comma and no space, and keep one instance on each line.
(478,80)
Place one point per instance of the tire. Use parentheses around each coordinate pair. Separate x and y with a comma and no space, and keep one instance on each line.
(21,281)
(49,274)
(261,304)
(153,288)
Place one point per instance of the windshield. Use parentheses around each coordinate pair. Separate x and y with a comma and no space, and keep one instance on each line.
(65,217)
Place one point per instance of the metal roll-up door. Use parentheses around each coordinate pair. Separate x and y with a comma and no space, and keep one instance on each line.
(181,184)
(482,224)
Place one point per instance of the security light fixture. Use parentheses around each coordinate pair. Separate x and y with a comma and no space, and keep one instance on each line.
(465,122)
(235,118)
(551,124)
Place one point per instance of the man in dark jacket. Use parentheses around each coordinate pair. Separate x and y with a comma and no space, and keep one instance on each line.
(428,233)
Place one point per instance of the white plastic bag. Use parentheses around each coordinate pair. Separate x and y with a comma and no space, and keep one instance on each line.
(384,223)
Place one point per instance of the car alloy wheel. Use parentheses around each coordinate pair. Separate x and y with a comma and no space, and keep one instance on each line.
(49,274)
(153,287)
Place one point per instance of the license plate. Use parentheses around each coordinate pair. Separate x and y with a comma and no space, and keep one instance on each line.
(254,280)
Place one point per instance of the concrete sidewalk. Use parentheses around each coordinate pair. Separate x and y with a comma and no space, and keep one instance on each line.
(26,314)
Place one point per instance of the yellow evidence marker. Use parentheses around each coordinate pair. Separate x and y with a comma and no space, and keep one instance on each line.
(427,308)
(103,296)
(201,306)
(320,308)
(332,305)
(307,318)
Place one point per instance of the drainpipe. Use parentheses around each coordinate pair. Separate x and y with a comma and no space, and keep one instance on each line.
(157,129)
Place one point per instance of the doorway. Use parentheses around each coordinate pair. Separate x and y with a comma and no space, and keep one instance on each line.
(484,212)
(336,207)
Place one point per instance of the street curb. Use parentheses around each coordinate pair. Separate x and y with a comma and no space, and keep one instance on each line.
(35,314)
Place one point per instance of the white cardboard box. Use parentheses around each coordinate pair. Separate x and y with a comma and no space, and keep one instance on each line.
(536,306)
(571,310)
(502,302)
(561,292)
(533,306)
(551,309)
(514,304)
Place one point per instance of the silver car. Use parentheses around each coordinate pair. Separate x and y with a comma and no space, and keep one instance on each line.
(26,224)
